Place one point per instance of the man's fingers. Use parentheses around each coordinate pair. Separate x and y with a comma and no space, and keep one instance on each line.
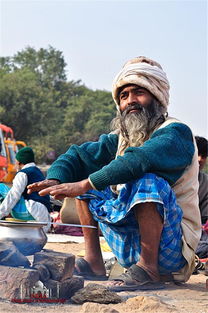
(57,192)
(61,191)
(41,185)
(33,187)
(45,191)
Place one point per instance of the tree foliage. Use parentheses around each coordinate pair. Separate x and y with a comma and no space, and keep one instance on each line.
(46,110)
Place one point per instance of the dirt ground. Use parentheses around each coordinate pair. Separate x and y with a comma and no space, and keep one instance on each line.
(191,297)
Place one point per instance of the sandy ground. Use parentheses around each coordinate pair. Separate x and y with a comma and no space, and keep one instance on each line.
(191,297)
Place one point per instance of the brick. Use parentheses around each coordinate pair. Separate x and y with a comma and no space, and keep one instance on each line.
(60,265)
(16,282)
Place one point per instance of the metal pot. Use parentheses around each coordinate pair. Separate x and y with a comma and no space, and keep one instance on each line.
(28,237)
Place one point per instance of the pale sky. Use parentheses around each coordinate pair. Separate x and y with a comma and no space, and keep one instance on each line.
(97,37)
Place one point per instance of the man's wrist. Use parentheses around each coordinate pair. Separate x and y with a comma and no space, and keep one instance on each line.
(91,184)
(86,185)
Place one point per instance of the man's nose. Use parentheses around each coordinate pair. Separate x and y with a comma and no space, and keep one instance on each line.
(132,99)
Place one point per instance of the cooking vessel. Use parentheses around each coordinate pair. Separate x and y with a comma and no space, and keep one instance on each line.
(28,237)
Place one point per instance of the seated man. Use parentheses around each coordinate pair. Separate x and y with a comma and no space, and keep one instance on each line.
(202,249)
(202,145)
(140,183)
(16,201)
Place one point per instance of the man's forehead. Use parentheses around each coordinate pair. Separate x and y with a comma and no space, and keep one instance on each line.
(123,88)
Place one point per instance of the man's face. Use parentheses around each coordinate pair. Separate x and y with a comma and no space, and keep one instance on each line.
(135,98)
(18,165)
(202,161)
(140,113)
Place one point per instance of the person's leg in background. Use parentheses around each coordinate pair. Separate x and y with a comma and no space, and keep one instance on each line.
(93,254)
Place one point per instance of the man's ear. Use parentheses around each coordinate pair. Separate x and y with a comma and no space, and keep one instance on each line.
(19,164)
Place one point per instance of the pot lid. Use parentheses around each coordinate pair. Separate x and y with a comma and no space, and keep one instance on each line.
(25,224)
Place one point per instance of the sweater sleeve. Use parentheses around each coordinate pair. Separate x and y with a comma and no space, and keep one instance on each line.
(80,161)
(167,153)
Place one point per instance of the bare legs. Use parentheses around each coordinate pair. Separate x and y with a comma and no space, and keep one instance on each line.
(93,253)
(150,228)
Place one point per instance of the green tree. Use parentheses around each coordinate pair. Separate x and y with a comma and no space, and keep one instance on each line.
(25,105)
(87,117)
(31,85)
(46,110)
(48,64)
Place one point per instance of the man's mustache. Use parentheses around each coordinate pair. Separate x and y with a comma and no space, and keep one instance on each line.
(135,106)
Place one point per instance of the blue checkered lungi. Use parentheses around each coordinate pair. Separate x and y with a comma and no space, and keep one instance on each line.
(119,226)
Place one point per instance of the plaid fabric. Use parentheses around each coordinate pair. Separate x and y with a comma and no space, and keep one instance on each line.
(120,228)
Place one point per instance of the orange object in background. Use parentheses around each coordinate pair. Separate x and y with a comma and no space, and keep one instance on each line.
(8,149)
(12,148)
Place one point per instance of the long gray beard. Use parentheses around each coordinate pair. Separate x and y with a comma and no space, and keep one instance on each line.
(137,127)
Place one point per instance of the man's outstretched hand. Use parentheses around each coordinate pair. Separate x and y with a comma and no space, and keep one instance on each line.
(42,185)
(60,191)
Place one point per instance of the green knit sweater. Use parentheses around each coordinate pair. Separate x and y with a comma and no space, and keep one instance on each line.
(167,153)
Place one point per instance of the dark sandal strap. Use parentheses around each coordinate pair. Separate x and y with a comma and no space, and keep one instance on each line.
(139,274)
(82,266)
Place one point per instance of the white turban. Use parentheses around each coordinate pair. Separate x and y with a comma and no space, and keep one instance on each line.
(151,77)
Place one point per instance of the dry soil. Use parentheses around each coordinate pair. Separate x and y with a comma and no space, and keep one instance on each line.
(191,297)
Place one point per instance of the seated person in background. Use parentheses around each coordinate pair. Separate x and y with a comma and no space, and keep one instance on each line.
(16,200)
(202,249)
(202,145)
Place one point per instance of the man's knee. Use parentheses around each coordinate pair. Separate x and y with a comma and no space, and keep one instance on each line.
(147,211)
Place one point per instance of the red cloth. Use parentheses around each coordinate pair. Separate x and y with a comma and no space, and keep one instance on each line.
(66,230)
(205,227)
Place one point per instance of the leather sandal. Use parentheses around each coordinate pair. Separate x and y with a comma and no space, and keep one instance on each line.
(135,278)
(82,268)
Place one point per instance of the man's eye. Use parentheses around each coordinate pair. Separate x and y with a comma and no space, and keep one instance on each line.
(123,96)
(139,92)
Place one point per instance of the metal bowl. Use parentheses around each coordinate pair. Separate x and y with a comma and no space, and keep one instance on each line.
(28,237)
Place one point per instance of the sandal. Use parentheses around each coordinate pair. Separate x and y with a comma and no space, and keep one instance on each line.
(82,268)
(199,266)
(135,278)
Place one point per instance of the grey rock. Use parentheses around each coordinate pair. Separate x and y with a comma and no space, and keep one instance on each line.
(65,289)
(11,256)
(43,272)
(60,265)
(16,282)
(95,293)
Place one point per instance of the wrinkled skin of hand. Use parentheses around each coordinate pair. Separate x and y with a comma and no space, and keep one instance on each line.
(42,185)
(61,191)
